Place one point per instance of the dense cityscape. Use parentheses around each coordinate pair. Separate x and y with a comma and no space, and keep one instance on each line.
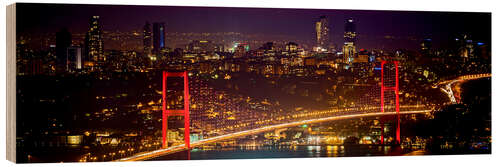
(90,93)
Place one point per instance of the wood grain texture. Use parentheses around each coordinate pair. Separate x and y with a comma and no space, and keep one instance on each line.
(11,83)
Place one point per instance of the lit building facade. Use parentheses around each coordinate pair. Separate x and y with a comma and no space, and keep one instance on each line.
(291,49)
(240,51)
(94,46)
(349,48)
(74,59)
(322,34)
(269,49)
(147,39)
(204,49)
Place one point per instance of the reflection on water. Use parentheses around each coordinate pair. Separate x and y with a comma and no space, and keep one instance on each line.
(252,152)
(334,151)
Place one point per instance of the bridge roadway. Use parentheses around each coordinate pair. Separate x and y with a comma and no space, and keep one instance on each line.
(449,83)
(178,148)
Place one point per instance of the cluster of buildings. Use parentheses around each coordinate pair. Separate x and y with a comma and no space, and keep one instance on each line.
(68,56)
(65,56)
(219,112)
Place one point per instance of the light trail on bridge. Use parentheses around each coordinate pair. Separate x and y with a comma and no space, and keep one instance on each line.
(448,84)
(181,147)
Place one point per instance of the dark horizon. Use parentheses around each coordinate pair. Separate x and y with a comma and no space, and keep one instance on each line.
(376,28)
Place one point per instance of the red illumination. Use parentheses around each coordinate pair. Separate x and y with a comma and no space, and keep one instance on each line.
(382,101)
(394,88)
(185,112)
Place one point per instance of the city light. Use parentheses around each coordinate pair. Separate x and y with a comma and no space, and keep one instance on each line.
(164,89)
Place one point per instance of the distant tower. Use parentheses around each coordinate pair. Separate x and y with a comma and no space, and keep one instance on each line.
(63,41)
(158,37)
(73,59)
(349,47)
(147,39)
(94,44)
(322,33)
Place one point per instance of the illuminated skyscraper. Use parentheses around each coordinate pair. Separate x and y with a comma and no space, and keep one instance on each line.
(349,48)
(94,45)
(147,39)
(158,37)
(322,33)
(73,59)
(350,31)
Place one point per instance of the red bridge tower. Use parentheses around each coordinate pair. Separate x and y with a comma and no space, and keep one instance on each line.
(184,112)
(391,87)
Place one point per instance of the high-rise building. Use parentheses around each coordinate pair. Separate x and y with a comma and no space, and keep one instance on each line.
(63,41)
(349,48)
(158,37)
(73,58)
(147,39)
(94,46)
(322,34)
(350,31)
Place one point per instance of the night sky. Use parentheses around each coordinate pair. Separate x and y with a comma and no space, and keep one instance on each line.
(374,27)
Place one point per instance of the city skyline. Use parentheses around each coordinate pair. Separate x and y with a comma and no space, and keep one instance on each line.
(163,83)
(397,29)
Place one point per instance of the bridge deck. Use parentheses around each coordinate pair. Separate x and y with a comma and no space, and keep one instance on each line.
(178,148)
